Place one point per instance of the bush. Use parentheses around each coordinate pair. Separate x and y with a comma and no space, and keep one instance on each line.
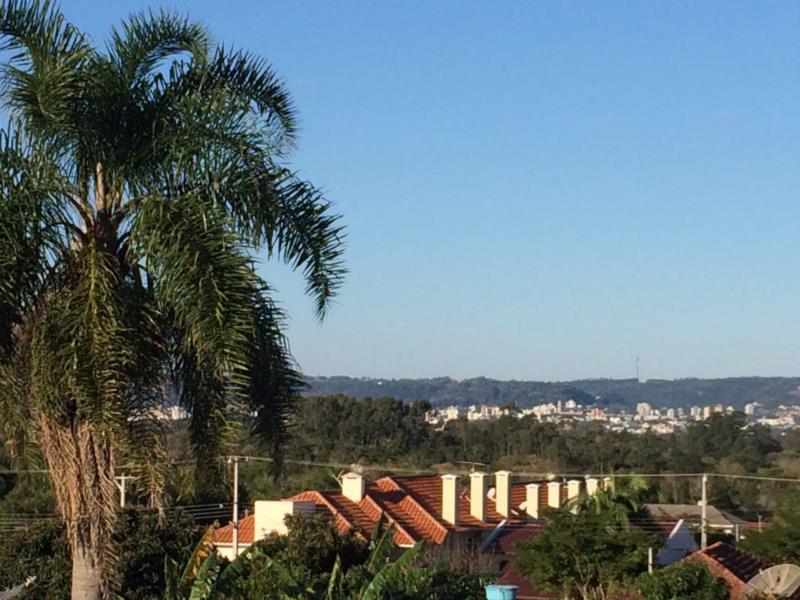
(141,541)
(683,581)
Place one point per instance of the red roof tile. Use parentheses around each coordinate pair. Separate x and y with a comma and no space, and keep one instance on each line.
(742,565)
(413,504)
(224,535)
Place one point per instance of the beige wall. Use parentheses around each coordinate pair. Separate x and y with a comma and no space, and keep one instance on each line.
(270,515)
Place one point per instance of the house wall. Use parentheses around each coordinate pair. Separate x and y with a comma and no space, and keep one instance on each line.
(226,550)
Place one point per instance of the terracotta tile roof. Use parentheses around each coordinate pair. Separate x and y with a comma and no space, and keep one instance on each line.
(733,565)
(412,503)
(224,535)
(742,565)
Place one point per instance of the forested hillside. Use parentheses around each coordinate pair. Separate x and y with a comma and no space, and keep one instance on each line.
(612,393)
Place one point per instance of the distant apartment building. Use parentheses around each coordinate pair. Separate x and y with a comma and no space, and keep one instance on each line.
(643,409)
(597,414)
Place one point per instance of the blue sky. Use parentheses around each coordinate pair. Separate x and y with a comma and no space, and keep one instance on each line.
(541,190)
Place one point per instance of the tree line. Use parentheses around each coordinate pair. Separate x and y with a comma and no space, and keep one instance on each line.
(387,431)
(615,393)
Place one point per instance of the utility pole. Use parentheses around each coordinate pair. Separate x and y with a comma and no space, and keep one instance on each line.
(120,481)
(704,513)
(235,522)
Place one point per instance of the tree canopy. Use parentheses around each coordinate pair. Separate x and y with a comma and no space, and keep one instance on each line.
(588,554)
(683,581)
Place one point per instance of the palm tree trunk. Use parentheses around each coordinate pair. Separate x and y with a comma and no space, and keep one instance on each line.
(85,577)
(81,464)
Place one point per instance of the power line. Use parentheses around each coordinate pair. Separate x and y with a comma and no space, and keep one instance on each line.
(416,471)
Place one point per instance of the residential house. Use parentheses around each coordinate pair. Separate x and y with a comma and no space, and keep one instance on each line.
(487,516)
(691,514)
(734,566)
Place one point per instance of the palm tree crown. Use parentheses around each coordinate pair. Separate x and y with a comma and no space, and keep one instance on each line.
(137,183)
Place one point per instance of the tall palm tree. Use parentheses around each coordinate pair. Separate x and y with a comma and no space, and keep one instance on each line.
(137,183)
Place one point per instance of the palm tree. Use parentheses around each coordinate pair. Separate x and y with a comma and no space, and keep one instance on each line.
(137,183)
(619,501)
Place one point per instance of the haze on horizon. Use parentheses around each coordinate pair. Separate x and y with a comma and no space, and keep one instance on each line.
(542,191)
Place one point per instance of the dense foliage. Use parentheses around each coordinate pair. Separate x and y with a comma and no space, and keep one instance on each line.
(388,432)
(343,429)
(779,542)
(143,544)
(587,554)
(683,581)
(315,562)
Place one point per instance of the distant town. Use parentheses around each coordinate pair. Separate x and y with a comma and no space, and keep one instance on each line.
(646,417)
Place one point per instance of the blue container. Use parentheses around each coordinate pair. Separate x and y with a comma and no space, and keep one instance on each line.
(501,592)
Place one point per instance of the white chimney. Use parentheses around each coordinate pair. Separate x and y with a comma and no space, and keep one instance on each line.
(477,495)
(353,487)
(502,484)
(450,498)
(532,500)
(554,494)
(592,485)
(573,489)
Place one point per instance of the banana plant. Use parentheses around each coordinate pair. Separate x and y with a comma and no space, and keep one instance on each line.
(209,576)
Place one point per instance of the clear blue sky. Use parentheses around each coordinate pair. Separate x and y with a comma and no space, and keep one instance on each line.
(541,190)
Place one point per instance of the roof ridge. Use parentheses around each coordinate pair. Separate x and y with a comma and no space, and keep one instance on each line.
(326,501)
(394,522)
(412,497)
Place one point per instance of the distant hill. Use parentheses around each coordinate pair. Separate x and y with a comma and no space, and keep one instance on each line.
(612,393)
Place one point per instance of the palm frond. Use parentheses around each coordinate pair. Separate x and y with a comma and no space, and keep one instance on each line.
(146,38)
(43,80)
(275,382)
(251,79)
(32,226)
(297,225)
